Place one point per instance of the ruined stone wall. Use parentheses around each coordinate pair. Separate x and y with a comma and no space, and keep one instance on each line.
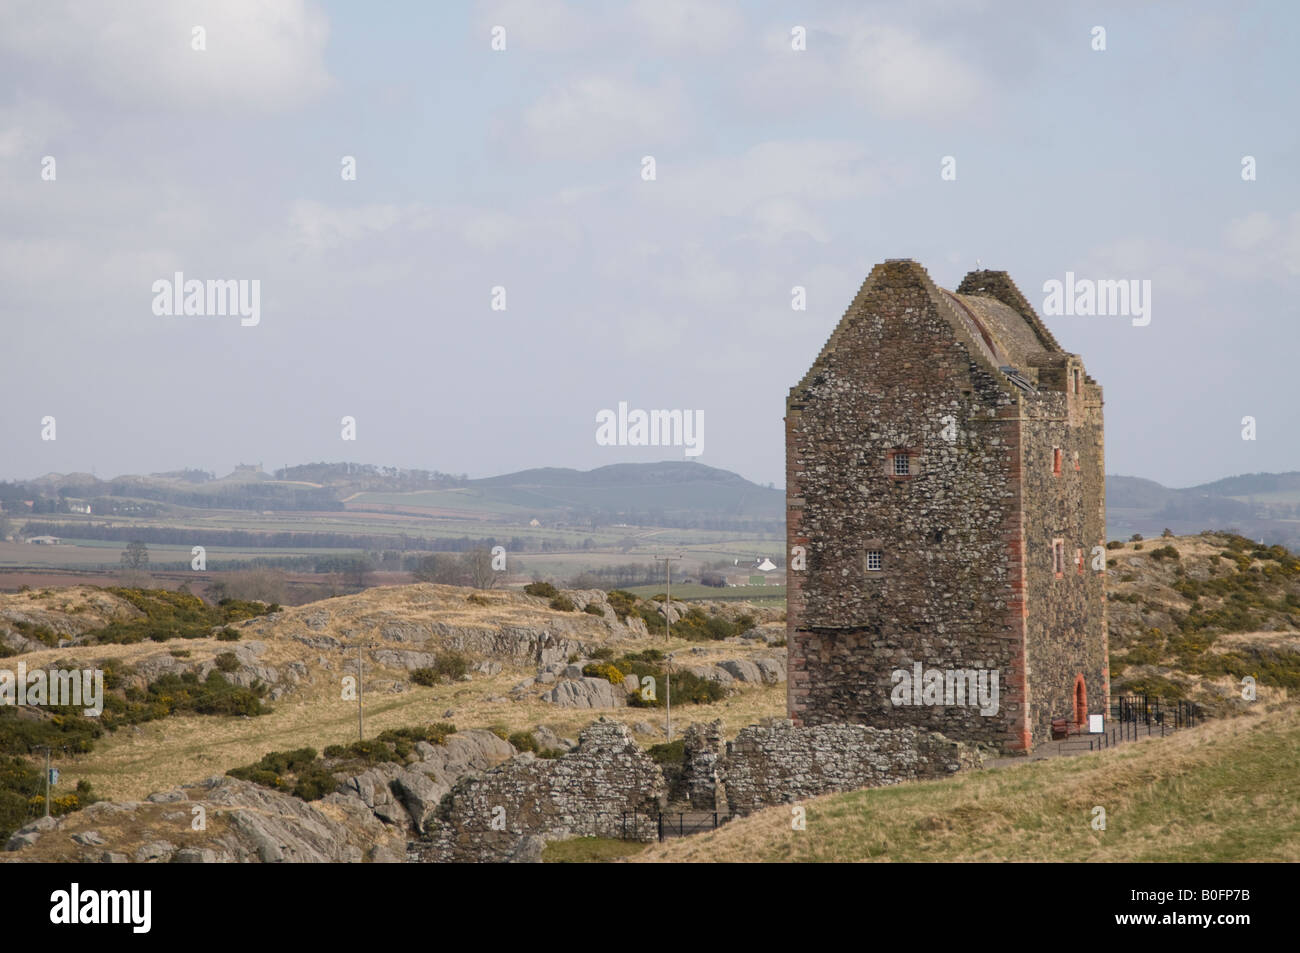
(1066,627)
(582,794)
(784,763)
(704,751)
(950,593)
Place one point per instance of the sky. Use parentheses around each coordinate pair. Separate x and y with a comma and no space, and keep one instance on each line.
(518,176)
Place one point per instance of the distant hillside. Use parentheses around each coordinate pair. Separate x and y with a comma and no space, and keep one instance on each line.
(1262,506)
(1190,616)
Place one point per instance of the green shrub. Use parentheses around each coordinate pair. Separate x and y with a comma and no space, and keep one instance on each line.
(478,599)
(593,608)
(543,589)
(603,670)
(523,741)
(228,634)
(563,603)
(1115,544)
(501,731)
(604,653)
(1165,552)
(451,665)
(227,662)
(174,615)
(622,602)
(670,752)
(314,783)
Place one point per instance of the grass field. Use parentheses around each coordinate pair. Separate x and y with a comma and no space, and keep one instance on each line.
(1227,791)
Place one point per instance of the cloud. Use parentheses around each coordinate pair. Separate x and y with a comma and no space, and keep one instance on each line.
(686,26)
(775,185)
(596,116)
(316,227)
(1266,244)
(890,71)
(547,26)
(261,55)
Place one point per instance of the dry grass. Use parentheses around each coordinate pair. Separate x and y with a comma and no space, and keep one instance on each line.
(1226,791)
(133,762)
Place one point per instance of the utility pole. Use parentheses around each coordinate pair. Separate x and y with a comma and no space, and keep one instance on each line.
(46,749)
(361,724)
(668,634)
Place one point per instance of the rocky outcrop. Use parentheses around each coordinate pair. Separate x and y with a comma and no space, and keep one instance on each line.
(587,693)
(369,818)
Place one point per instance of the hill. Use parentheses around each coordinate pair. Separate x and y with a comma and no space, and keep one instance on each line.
(1262,506)
(1223,792)
(1189,617)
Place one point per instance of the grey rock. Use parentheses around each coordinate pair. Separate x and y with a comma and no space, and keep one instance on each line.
(195,855)
(586,693)
(710,672)
(528,850)
(772,670)
(419,795)
(742,670)
(154,852)
(113,857)
(379,854)
(316,619)
(89,839)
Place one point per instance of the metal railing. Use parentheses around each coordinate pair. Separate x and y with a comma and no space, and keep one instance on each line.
(668,824)
(1130,717)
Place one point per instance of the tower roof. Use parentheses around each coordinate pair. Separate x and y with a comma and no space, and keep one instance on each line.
(987,312)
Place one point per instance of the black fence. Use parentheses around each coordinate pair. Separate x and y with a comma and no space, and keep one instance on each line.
(1154,710)
(1130,717)
(670,824)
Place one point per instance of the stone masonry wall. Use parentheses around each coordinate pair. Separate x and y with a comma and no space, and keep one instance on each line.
(583,794)
(1066,624)
(950,594)
(784,764)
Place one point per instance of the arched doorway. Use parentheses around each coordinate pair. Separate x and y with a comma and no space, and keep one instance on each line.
(1080,700)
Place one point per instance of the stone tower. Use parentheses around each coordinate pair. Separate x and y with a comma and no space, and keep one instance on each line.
(946,518)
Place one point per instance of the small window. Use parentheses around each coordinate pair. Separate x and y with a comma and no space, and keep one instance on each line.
(1058,557)
(1076,380)
(874,559)
(902,464)
(1056,461)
